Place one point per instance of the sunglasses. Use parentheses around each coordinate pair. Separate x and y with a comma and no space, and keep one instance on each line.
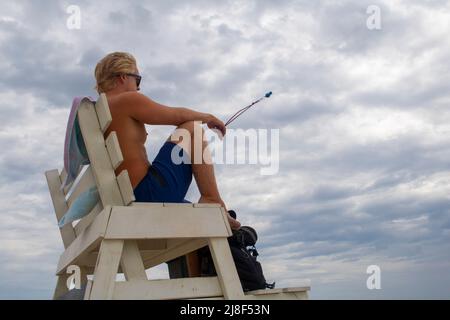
(137,77)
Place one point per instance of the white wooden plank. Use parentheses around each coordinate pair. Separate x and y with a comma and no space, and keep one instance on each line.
(278,290)
(86,181)
(61,286)
(225,220)
(113,147)
(63,174)
(168,289)
(177,249)
(86,241)
(207,205)
(126,189)
(87,220)
(225,268)
(89,259)
(62,177)
(103,112)
(300,295)
(100,163)
(147,205)
(132,264)
(84,273)
(87,293)
(150,244)
(60,206)
(180,205)
(165,223)
(106,269)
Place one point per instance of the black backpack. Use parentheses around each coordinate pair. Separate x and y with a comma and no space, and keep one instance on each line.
(242,246)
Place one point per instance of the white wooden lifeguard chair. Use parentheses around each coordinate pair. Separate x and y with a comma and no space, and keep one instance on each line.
(123,236)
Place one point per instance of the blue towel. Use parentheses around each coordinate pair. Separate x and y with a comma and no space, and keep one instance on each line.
(81,206)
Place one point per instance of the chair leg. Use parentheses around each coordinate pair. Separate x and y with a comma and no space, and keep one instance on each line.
(225,268)
(131,263)
(61,286)
(106,269)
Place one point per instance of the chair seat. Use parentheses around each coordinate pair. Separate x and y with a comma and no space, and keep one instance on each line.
(163,231)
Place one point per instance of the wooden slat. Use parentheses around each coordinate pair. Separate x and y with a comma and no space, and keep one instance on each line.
(113,147)
(61,286)
(132,265)
(103,112)
(100,163)
(207,205)
(87,220)
(126,190)
(87,293)
(168,289)
(301,295)
(89,259)
(63,174)
(269,295)
(106,269)
(179,205)
(225,268)
(62,177)
(182,247)
(165,223)
(147,205)
(278,290)
(225,220)
(86,241)
(150,244)
(60,206)
(86,181)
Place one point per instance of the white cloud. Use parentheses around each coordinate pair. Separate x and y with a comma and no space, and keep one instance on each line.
(362,115)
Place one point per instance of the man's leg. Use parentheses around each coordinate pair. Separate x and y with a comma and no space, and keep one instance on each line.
(204,176)
(204,170)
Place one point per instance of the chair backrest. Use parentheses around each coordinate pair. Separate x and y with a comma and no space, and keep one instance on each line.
(105,156)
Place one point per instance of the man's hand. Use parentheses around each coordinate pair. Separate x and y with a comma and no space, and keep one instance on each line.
(213,123)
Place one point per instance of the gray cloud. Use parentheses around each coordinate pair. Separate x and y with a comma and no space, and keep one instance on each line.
(362,115)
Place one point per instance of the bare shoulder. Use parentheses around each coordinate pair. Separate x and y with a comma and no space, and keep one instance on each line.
(131,98)
(143,109)
(128,102)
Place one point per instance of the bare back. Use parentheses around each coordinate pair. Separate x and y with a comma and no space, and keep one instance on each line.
(132,135)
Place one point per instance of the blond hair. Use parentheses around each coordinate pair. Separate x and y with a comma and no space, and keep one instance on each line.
(112,64)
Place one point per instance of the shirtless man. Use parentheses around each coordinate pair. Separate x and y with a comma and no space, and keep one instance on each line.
(118,77)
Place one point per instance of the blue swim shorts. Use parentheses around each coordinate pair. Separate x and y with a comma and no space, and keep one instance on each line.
(165,180)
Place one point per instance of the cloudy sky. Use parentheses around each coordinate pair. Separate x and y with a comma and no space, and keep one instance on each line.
(364,176)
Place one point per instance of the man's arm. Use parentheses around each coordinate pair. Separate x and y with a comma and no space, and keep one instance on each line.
(145,110)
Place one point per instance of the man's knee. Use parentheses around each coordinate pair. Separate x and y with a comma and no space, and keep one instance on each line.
(187,131)
(191,126)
